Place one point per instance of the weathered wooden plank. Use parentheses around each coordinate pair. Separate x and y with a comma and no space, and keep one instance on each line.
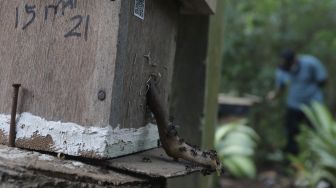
(37,133)
(198,6)
(147,48)
(60,66)
(240,101)
(33,169)
(155,164)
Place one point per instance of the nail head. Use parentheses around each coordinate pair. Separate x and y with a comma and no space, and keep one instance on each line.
(101,95)
(16,85)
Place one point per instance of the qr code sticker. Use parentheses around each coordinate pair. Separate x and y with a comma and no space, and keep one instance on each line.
(139,9)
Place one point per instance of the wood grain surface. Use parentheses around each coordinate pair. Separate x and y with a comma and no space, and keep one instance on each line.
(147,48)
(63,53)
(63,67)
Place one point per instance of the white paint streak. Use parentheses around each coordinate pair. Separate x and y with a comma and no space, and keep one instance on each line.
(127,141)
(76,140)
(4,123)
(77,164)
(44,157)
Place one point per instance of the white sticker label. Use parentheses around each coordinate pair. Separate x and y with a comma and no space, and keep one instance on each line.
(139,9)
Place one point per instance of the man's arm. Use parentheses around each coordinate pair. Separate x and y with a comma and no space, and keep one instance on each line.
(281,81)
(272,95)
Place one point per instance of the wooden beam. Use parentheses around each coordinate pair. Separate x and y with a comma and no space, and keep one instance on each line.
(146,169)
(215,58)
(188,86)
(32,169)
(153,163)
(198,6)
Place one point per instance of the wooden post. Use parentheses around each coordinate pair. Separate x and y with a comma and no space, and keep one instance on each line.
(215,54)
(188,86)
(84,66)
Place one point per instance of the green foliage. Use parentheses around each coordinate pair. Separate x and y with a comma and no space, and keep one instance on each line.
(268,121)
(317,159)
(256,31)
(236,145)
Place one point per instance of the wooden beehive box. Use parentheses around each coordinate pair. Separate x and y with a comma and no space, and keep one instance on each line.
(83,66)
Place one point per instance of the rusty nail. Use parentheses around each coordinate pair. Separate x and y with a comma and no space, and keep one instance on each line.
(12,130)
(101,95)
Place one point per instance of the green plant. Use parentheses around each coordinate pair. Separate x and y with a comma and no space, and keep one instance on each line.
(236,143)
(317,159)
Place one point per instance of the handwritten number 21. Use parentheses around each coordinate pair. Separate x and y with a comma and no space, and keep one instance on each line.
(78,20)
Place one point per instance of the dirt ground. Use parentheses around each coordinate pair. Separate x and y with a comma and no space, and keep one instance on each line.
(266,179)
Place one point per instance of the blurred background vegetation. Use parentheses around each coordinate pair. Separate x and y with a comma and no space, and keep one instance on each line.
(256,32)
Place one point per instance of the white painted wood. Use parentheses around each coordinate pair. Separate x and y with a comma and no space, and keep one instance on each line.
(73,139)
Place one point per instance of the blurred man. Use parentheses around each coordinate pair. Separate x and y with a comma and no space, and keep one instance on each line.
(304,76)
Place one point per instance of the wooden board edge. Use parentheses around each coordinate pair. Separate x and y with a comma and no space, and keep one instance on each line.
(26,166)
(203,7)
(36,133)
